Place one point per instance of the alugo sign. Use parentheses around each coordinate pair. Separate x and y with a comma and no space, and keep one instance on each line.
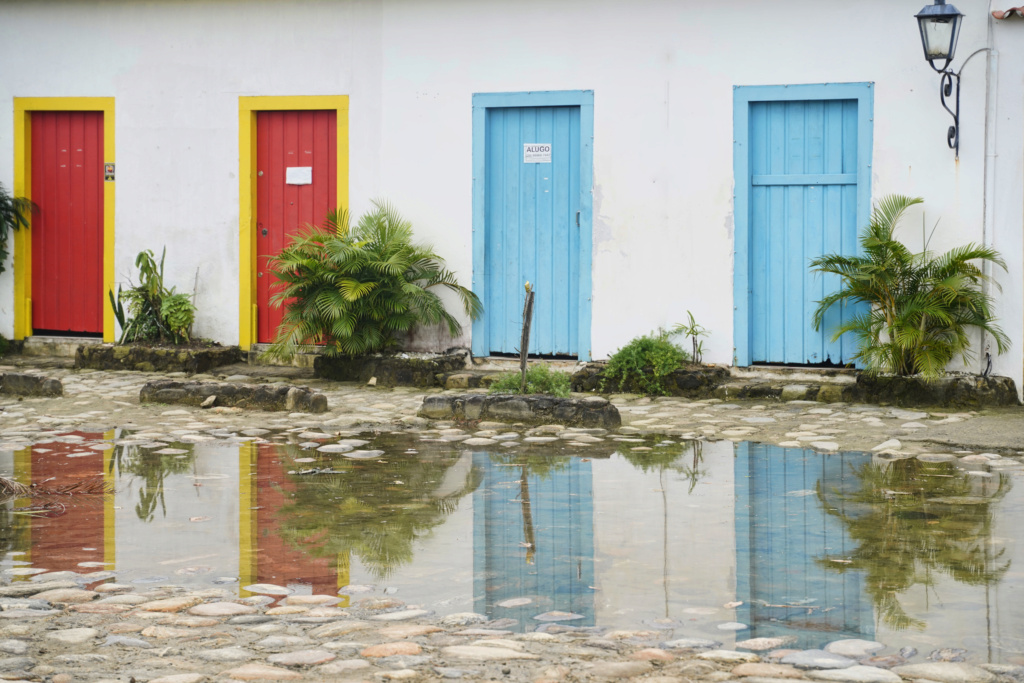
(536,153)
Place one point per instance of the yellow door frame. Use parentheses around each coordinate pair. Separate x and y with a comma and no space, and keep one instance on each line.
(23,108)
(247,109)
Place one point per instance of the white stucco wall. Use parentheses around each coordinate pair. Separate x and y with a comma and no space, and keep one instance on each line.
(662,74)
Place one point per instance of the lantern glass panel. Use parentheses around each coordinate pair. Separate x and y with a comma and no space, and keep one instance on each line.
(938,37)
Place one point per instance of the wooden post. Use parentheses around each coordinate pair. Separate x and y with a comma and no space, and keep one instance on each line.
(524,342)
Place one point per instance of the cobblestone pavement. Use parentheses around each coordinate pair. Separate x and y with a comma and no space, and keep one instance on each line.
(110,399)
(68,626)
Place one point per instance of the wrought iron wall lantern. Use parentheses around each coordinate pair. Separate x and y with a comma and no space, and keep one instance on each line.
(940,29)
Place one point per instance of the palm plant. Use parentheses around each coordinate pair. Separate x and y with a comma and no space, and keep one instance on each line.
(922,306)
(374,510)
(354,289)
(14,213)
(913,522)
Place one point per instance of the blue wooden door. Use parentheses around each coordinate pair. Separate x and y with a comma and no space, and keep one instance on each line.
(532,215)
(803,203)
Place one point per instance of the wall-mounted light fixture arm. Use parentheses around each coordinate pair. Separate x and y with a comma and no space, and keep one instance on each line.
(946,86)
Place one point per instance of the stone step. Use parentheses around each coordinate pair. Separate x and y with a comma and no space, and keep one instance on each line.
(491,364)
(826,392)
(63,347)
(303,359)
(469,379)
(794,375)
(486,371)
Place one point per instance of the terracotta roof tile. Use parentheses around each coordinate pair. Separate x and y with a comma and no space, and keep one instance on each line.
(1007,13)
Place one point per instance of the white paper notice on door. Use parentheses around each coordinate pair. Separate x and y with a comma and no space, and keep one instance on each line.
(298,175)
(536,153)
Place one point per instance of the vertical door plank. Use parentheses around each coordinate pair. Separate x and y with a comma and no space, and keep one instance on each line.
(510,224)
(814,227)
(546,279)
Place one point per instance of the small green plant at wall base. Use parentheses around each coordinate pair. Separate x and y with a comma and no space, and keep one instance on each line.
(643,364)
(539,380)
(149,311)
(923,306)
(178,314)
(354,289)
(694,331)
(14,214)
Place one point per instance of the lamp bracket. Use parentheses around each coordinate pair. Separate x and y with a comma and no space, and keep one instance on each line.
(946,90)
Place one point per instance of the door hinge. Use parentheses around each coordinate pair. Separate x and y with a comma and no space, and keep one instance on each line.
(577,219)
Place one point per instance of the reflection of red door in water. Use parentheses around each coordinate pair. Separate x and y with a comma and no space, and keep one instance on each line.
(279,561)
(288,200)
(67,232)
(63,541)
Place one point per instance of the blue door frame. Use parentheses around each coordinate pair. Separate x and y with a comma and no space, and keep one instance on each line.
(743,97)
(584,99)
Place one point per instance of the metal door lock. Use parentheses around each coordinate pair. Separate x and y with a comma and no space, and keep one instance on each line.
(264,232)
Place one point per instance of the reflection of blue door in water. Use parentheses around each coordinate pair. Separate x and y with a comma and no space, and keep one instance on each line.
(787,545)
(533,537)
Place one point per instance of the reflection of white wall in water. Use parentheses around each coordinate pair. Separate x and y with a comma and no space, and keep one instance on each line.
(7,470)
(1006,600)
(975,617)
(440,575)
(675,551)
(170,545)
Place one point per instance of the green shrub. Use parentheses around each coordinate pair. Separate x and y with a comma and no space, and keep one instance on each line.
(643,364)
(154,312)
(178,314)
(539,380)
(354,289)
(921,305)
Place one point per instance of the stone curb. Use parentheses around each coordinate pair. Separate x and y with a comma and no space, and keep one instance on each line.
(962,391)
(253,397)
(24,384)
(593,411)
(389,371)
(154,358)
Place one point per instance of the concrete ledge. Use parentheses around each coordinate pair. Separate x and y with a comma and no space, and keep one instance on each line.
(391,370)
(23,384)
(592,411)
(250,396)
(693,381)
(144,358)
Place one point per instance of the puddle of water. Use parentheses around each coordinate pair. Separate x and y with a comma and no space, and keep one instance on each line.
(713,540)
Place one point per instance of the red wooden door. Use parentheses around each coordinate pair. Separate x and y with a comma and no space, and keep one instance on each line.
(67,233)
(306,142)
